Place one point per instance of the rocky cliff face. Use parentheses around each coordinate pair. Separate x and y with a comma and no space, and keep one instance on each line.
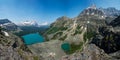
(111,11)
(107,40)
(103,46)
(115,22)
(12,48)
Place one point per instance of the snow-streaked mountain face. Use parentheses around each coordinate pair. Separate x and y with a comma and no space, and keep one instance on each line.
(8,25)
(111,11)
(33,23)
(93,11)
(29,23)
(100,12)
(28,27)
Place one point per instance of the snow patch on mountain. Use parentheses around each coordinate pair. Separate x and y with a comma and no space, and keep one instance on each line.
(33,23)
(28,23)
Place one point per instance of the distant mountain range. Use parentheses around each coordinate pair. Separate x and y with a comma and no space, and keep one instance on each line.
(23,28)
(28,27)
(28,23)
(103,12)
(8,25)
(111,11)
(32,23)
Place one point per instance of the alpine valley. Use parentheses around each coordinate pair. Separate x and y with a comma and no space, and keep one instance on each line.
(92,35)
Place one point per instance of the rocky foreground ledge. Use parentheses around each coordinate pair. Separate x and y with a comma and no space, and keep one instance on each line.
(13,48)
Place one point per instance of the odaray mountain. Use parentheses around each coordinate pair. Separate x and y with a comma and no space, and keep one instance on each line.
(82,31)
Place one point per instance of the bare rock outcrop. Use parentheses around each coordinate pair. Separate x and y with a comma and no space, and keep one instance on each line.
(13,48)
(90,52)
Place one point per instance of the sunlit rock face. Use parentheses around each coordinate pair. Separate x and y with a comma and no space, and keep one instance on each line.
(93,11)
(92,18)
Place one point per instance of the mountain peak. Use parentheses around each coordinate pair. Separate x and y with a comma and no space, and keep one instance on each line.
(93,6)
(29,23)
(3,21)
(92,11)
(63,18)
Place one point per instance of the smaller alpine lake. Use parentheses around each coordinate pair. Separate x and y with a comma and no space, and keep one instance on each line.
(33,38)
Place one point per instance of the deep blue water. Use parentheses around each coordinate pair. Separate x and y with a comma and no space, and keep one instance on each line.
(32,38)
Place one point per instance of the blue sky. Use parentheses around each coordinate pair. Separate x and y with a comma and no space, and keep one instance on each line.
(48,10)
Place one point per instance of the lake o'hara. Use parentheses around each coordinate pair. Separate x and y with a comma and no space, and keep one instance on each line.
(33,38)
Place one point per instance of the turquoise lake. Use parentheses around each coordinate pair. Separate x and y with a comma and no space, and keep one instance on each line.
(65,46)
(33,38)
